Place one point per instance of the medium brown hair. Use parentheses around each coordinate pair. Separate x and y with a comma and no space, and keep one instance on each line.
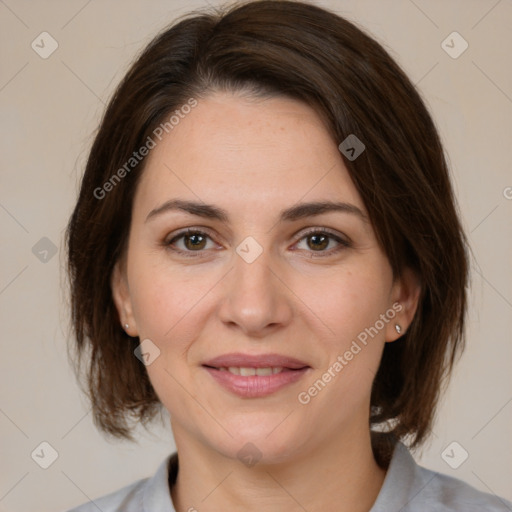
(304,52)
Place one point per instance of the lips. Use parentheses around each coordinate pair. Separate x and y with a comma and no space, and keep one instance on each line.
(240,360)
(255,376)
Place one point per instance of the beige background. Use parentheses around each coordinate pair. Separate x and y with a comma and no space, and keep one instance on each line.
(49,110)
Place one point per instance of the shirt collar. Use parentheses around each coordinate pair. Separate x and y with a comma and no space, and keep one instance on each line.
(157,493)
(400,485)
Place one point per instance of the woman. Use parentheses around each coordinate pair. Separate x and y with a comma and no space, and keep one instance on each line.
(266,244)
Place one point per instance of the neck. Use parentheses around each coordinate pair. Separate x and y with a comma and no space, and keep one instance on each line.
(340,474)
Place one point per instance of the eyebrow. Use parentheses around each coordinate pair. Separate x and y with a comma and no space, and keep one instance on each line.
(296,212)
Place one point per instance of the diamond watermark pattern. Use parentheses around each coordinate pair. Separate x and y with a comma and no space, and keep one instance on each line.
(249,455)
(44,455)
(44,45)
(147,352)
(454,455)
(352,147)
(44,250)
(454,45)
(249,249)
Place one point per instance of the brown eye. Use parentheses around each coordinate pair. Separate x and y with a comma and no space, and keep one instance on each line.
(189,241)
(195,241)
(322,242)
(318,242)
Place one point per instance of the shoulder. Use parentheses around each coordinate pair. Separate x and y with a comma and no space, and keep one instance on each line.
(145,495)
(126,499)
(412,488)
(451,494)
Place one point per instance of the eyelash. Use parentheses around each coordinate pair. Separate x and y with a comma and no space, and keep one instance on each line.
(343,244)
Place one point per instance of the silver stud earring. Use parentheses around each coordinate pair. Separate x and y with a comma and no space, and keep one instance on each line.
(126,326)
(398,329)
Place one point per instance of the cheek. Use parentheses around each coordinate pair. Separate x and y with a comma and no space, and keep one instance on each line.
(157,306)
(354,311)
(168,304)
(168,310)
(349,301)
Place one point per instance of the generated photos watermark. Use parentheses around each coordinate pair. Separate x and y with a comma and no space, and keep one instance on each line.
(343,360)
(138,156)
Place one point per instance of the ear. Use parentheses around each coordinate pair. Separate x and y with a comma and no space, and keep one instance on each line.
(122,300)
(405,296)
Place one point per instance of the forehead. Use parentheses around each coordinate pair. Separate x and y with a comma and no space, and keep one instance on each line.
(251,153)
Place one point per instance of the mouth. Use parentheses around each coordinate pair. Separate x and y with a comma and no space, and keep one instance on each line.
(248,371)
(257,361)
(255,376)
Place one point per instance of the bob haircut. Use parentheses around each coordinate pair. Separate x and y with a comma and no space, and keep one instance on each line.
(267,49)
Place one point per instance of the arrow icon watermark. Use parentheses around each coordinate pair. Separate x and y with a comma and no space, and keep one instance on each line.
(351,147)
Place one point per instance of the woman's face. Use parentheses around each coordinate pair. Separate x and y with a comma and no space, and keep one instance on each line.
(275,277)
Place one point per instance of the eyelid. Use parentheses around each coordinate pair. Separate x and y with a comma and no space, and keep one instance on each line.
(343,242)
(339,238)
(320,229)
(186,231)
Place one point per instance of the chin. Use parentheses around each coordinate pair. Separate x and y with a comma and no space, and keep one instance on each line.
(267,442)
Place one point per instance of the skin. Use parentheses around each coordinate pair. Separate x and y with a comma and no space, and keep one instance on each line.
(254,158)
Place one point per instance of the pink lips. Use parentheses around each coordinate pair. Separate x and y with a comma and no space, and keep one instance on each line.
(253,386)
(250,361)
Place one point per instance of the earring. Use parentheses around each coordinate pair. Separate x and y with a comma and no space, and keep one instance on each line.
(126,326)
(398,329)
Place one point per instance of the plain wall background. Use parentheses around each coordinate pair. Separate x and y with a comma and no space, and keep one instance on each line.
(49,110)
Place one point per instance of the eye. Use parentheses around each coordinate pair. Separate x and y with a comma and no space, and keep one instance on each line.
(193,242)
(189,241)
(317,241)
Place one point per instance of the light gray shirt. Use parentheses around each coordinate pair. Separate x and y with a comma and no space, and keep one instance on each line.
(407,487)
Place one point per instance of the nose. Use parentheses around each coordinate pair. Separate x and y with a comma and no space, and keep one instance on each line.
(255,300)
